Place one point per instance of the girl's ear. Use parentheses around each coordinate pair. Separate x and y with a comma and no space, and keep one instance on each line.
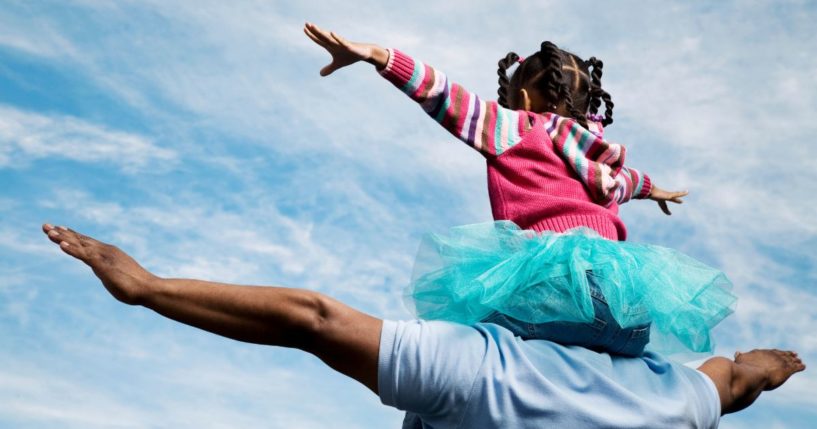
(524,98)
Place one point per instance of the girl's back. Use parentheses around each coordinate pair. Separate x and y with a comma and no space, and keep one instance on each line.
(545,172)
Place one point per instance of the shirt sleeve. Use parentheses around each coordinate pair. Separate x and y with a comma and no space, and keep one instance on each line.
(429,368)
(484,125)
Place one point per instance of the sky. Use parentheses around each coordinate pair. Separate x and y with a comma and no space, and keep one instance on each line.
(199,137)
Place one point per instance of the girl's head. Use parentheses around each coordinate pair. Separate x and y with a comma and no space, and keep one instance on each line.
(554,80)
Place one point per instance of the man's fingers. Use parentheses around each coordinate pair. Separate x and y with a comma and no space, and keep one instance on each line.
(69,240)
(55,236)
(73,250)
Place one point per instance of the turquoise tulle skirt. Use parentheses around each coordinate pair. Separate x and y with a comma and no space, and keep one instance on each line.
(477,270)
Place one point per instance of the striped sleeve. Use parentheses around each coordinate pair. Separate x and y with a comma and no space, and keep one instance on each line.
(484,125)
(632,184)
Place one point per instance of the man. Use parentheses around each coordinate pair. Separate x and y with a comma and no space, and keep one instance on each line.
(448,375)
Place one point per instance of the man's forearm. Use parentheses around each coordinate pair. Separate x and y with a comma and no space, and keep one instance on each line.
(262,315)
(345,339)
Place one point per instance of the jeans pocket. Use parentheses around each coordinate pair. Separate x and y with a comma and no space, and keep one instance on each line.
(637,339)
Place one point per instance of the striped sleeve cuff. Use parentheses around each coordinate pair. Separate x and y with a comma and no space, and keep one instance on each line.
(646,188)
(399,69)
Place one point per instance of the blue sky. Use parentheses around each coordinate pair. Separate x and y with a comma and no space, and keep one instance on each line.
(199,137)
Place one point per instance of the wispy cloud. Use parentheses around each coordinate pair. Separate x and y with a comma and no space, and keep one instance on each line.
(33,36)
(27,136)
(198,386)
(191,237)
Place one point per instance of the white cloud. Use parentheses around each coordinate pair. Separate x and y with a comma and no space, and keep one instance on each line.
(191,237)
(199,386)
(26,242)
(33,36)
(27,136)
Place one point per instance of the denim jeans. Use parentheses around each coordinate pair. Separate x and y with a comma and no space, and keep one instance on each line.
(603,334)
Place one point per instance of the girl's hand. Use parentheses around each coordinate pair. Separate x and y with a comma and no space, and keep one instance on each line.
(661,196)
(344,52)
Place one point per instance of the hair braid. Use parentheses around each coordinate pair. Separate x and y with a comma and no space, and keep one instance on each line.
(597,93)
(568,100)
(504,64)
(555,89)
(608,107)
(595,66)
(552,75)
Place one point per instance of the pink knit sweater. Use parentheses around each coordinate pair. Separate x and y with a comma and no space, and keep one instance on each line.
(545,172)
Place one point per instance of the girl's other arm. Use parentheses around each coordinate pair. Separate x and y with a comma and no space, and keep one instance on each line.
(631,184)
(634,184)
(600,165)
(484,125)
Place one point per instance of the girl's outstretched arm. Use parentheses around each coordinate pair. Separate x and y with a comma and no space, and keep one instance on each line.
(600,165)
(484,125)
(635,184)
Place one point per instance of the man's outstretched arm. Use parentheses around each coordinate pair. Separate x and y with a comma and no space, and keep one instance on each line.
(344,338)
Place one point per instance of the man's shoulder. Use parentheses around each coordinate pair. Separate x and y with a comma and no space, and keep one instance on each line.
(446,371)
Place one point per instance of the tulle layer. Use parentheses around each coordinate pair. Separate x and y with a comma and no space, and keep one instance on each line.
(475,270)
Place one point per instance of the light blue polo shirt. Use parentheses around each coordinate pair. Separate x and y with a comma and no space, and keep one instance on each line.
(447,375)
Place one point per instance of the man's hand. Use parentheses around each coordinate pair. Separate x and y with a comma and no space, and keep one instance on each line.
(661,197)
(344,52)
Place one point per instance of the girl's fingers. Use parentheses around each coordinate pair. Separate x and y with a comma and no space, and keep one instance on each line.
(326,71)
(318,35)
(339,40)
(324,35)
(330,68)
(319,38)
(314,38)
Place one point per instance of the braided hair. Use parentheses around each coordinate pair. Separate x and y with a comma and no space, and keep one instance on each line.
(560,77)
(506,62)
(597,94)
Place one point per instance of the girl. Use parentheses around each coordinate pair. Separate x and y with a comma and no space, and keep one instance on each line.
(554,265)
